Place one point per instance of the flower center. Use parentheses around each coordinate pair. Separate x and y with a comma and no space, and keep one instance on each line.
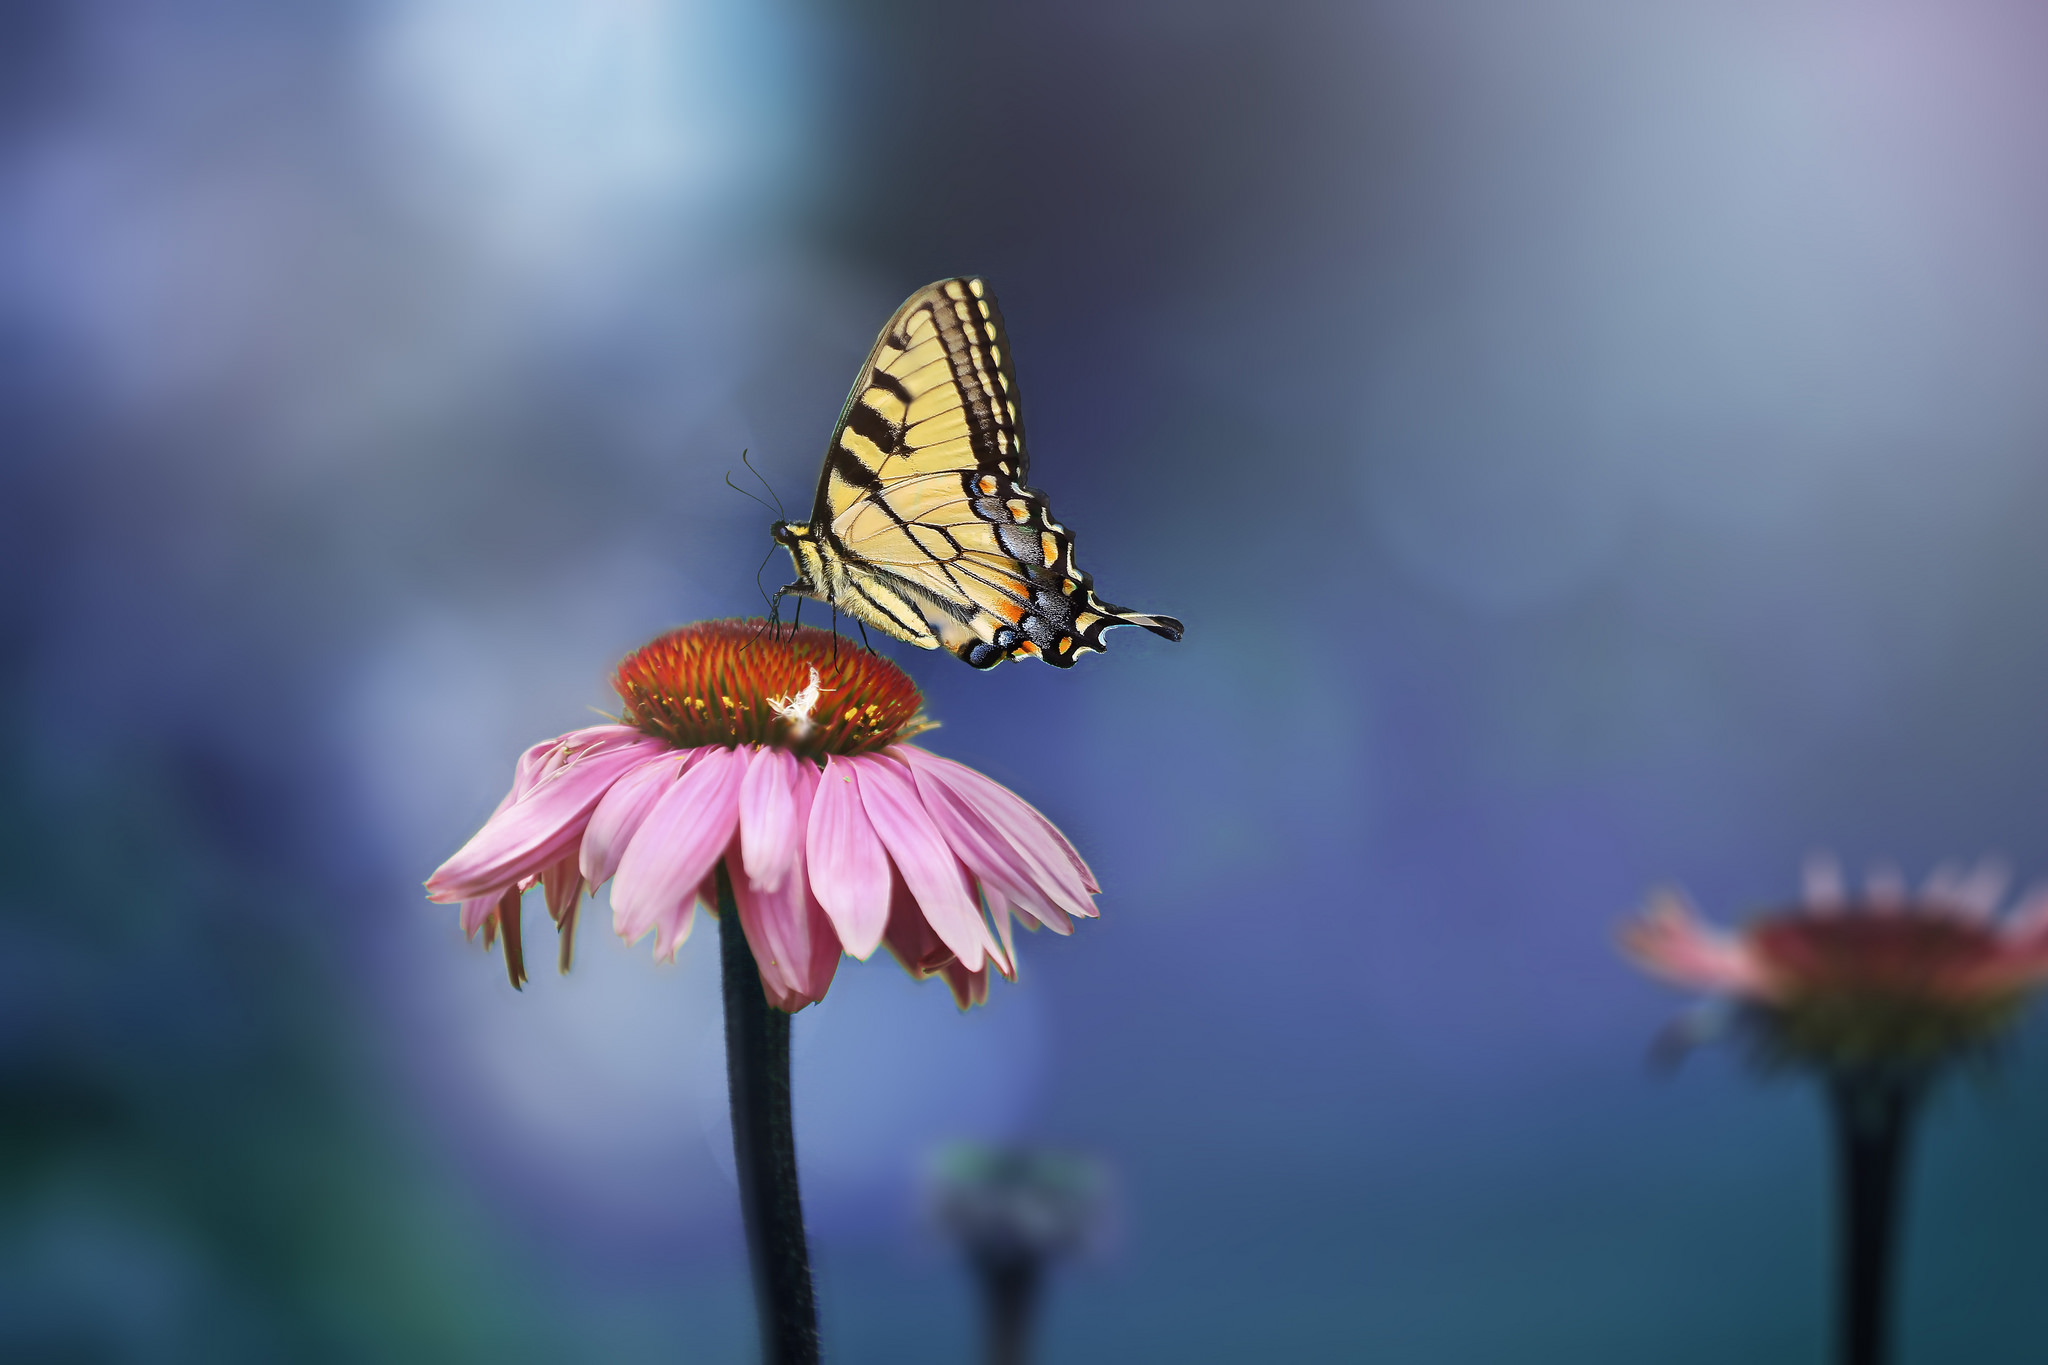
(1896,986)
(1900,952)
(744,682)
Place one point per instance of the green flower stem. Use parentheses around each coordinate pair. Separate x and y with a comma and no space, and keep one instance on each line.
(764,1148)
(1873,1119)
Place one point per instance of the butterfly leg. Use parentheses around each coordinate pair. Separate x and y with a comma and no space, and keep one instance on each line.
(774,621)
(775,601)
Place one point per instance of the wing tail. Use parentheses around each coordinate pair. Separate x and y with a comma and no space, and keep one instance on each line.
(1167,627)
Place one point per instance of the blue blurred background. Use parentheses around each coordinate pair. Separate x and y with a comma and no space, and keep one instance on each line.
(1590,444)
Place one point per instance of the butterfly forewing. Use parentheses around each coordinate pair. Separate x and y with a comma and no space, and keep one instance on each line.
(924,525)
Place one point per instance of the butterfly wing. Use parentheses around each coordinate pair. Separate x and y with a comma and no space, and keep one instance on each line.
(922,506)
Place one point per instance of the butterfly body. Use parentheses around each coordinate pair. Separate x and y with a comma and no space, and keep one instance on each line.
(923,525)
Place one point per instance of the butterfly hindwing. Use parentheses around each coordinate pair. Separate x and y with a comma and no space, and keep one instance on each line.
(924,525)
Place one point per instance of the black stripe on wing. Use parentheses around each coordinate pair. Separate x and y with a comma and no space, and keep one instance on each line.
(977,343)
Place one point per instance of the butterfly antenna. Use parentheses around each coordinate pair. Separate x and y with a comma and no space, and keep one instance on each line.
(743,492)
(780,514)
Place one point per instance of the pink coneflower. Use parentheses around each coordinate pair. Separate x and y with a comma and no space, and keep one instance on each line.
(777,760)
(766,773)
(1888,978)
(1870,994)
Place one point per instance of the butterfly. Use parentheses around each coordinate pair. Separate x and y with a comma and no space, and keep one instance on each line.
(923,526)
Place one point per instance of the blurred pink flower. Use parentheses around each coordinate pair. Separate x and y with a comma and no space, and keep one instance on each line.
(1837,981)
(776,759)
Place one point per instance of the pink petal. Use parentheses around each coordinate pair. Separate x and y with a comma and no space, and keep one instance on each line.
(508,926)
(816,974)
(910,937)
(619,815)
(969,988)
(849,871)
(988,855)
(1074,857)
(1055,869)
(999,911)
(792,937)
(1981,891)
(826,951)
(677,844)
(476,910)
(562,885)
(2029,918)
(934,876)
(777,926)
(768,933)
(1671,942)
(672,928)
(1822,884)
(542,823)
(782,996)
(1942,881)
(545,757)
(771,831)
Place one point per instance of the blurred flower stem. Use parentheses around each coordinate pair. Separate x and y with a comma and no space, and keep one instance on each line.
(1009,1290)
(1013,1211)
(1873,1117)
(764,1148)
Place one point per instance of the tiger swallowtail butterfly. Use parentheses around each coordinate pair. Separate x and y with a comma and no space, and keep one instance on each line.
(924,526)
